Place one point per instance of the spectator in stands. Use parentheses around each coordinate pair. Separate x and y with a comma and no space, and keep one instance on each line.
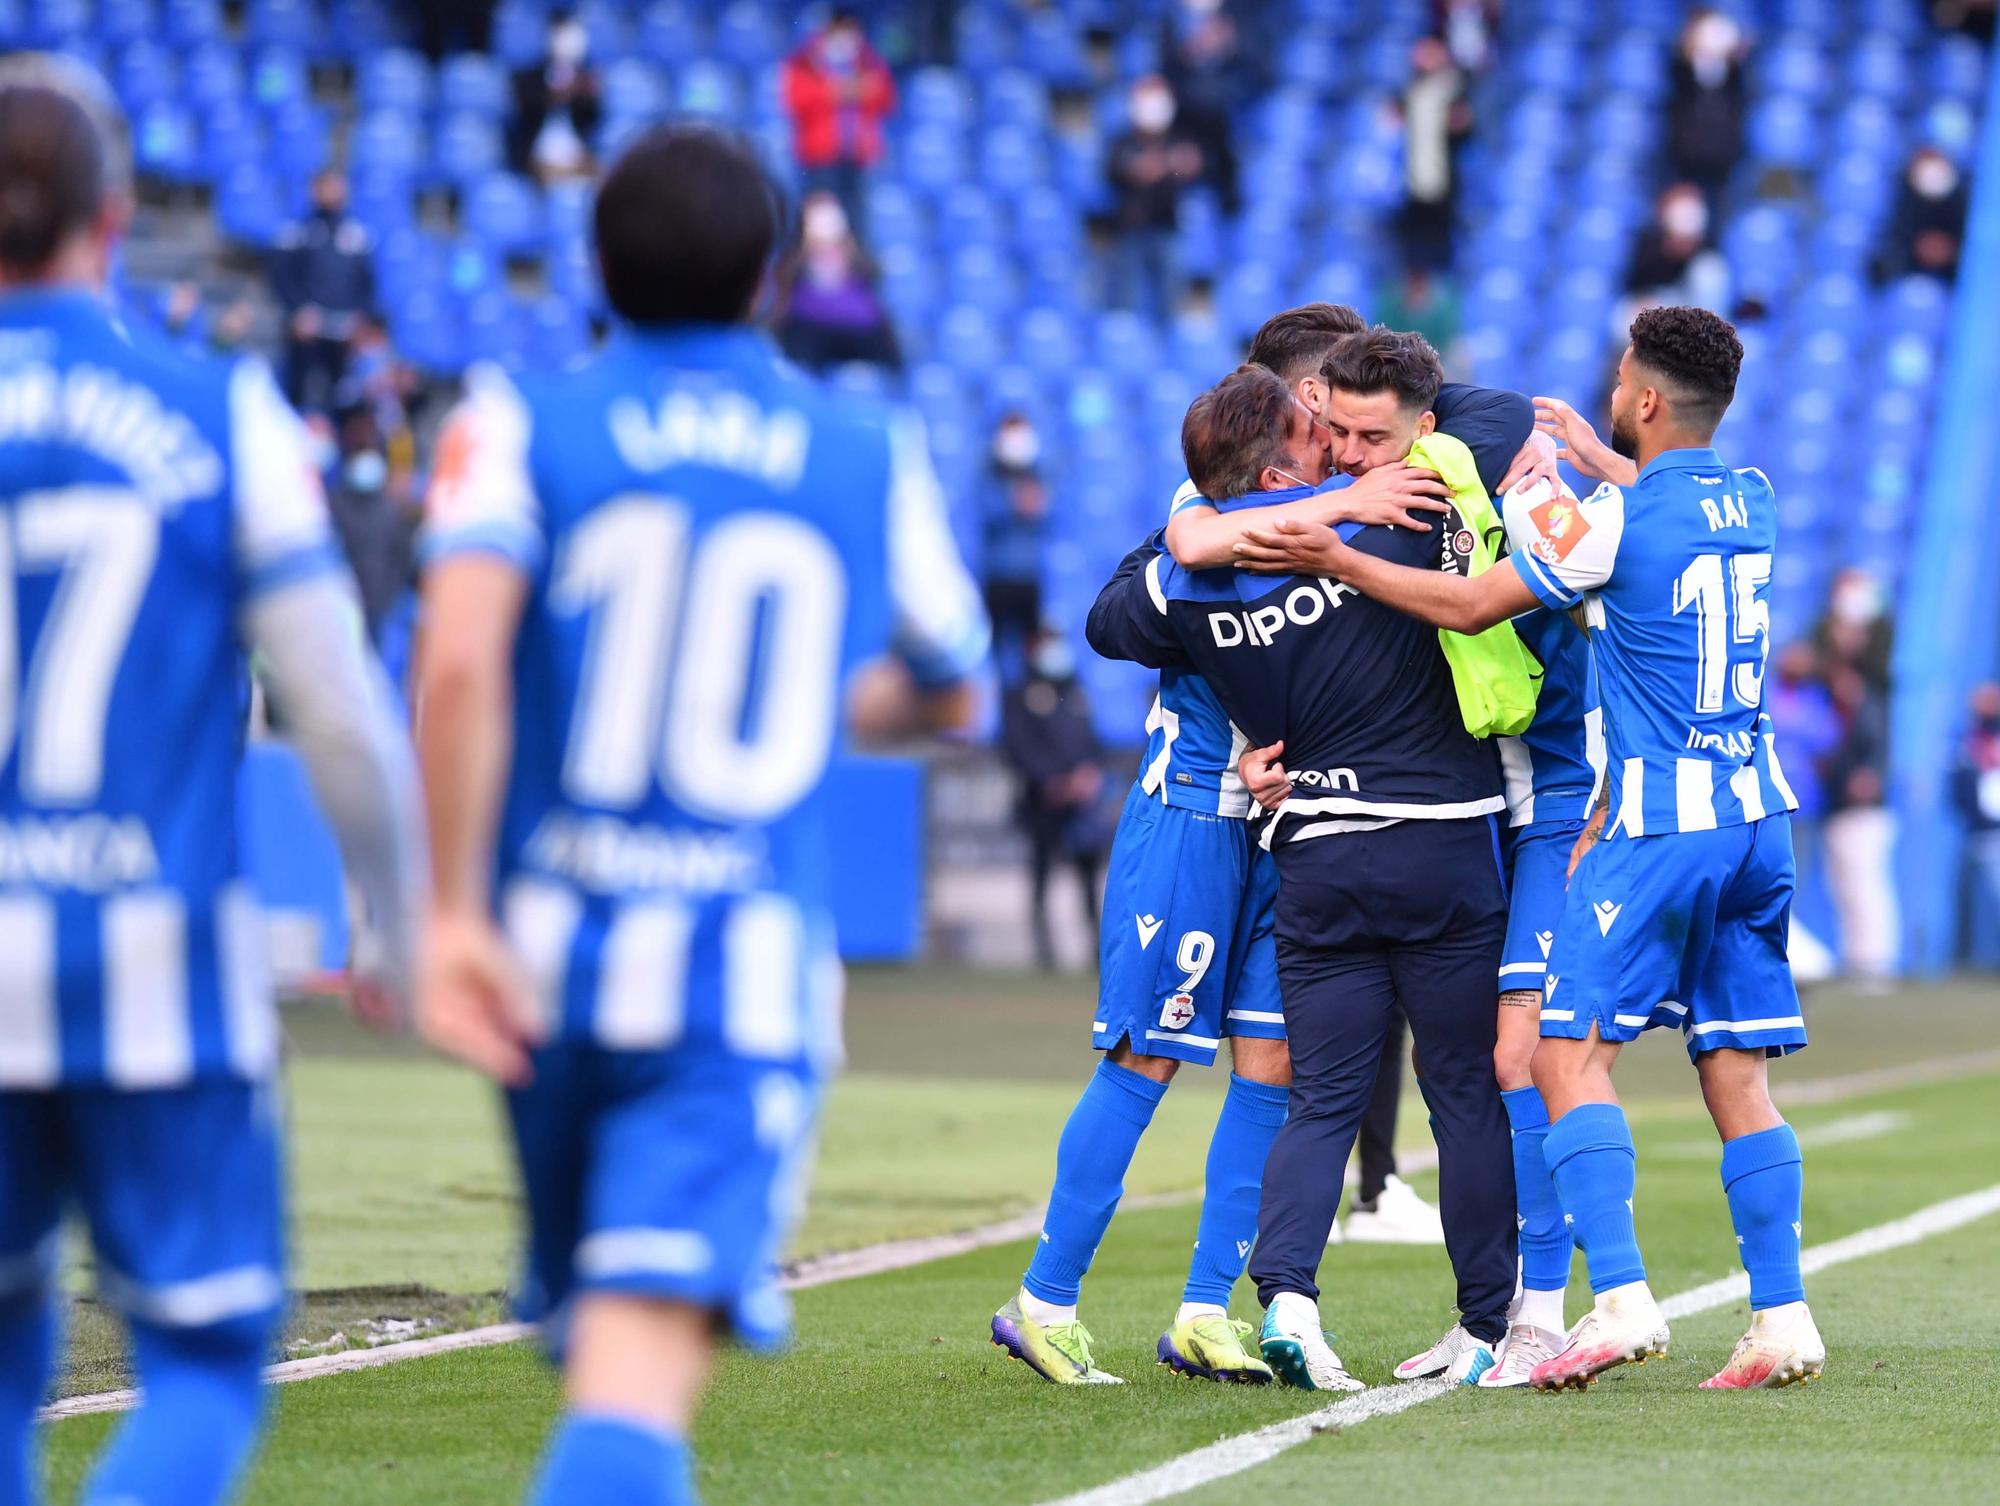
(1973,17)
(1809,732)
(1707,102)
(1423,301)
(1976,786)
(1855,635)
(558,106)
(1151,164)
(450,26)
(381,383)
(1672,260)
(324,280)
(828,309)
(1210,76)
(1437,117)
(1467,28)
(1016,539)
(182,315)
(1854,641)
(230,330)
(375,513)
(1051,743)
(838,91)
(1929,226)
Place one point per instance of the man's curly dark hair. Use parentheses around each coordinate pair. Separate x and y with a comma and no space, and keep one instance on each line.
(1698,355)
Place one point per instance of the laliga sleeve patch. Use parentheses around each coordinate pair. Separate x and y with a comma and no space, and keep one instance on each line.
(1559,527)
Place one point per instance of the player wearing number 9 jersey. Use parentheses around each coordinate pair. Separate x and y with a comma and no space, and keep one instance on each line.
(1688,897)
(158,519)
(651,579)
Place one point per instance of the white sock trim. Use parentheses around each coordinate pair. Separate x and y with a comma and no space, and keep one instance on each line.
(1045,1313)
(1192,1310)
(1542,1309)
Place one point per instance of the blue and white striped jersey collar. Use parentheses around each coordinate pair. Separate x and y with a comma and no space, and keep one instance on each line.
(1681,460)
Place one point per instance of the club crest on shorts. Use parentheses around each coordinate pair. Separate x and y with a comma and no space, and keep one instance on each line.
(1178,1011)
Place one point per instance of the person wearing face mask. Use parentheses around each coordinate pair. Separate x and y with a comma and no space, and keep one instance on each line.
(1855,640)
(829,311)
(1707,103)
(1150,166)
(1928,230)
(838,92)
(557,106)
(1976,787)
(1672,261)
(374,517)
(323,278)
(1016,538)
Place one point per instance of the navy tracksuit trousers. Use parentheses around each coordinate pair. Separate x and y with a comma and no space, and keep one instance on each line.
(1407,918)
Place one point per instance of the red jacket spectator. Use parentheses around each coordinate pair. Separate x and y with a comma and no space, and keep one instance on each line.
(837,91)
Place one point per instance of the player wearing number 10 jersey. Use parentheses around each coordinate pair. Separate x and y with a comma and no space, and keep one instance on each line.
(651,578)
(1688,897)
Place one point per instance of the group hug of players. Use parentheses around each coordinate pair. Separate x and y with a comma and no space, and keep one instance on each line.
(1432,733)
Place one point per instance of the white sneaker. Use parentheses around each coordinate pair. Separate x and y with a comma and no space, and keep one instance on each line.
(1783,1347)
(1525,1347)
(1333,1235)
(1294,1346)
(1399,1217)
(1625,1327)
(1440,1357)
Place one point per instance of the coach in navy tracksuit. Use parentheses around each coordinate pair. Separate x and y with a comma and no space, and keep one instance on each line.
(1391,892)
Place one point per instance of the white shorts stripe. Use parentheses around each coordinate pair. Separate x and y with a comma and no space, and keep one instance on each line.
(30,1036)
(148,1042)
(1099,1026)
(540,918)
(1694,794)
(642,981)
(1258,1016)
(249,1015)
(1671,1007)
(198,1303)
(1186,1040)
(1632,798)
(1527,969)
(622,1252)
(1749,789)
(763,967)
(1558,1014)
(1750,1027)
(1636,1021)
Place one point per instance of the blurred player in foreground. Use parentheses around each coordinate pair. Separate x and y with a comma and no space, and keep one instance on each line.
(158,518)
(1689,895)
(652,579)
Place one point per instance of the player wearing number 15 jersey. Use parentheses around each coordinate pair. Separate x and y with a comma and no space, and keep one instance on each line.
(652,578)
(158,519)
(1689,895)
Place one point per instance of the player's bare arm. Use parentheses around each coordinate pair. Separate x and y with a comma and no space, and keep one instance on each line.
(1459,603)
(1593,829)
(472,1000)
(1200,538)
(1578,443)
(886,705)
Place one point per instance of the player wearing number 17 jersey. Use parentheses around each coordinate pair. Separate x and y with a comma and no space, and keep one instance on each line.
(651,579)
(1688,897)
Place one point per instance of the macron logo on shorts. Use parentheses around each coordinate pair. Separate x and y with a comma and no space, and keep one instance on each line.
(1148,929)
(1606,913)
(1545,940)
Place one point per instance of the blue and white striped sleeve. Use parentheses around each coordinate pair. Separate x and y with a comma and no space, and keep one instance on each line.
(1564,547)
(941,633)
(282,532)
(482,496)
(1188,496)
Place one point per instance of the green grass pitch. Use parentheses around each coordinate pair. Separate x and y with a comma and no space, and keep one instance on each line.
(404,1211)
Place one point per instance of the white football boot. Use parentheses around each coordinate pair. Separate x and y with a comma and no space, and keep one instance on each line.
(1525,1347)
(1782,1348)
(1456,1348)
(1625,1327)
(1399,1217)
(1294,1346)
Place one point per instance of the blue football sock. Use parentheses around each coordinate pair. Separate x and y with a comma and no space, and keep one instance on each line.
(1765,1180)
(1589,1153)
(594,1458)
(1546,1245)
(1251,1115)
(27,1348)
(196,1427)
(1091,1157)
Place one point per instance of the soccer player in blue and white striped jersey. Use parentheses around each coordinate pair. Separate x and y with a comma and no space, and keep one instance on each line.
(1688,897)
(653,578)
(158,519)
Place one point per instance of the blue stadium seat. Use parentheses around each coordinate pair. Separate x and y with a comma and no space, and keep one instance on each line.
(189,21)
(1879,68)
(299,144)
(1783,133)
(166,143)
(389,141)
(231,133)
(467,147)
(472,82)
(279,79)
(1015,97)
(394,79)
(364,28)
(967,217)
(937,97)
(1051,47)
(968,340)
(282,23)
(380,199)
(669,31)
(426,329)
(1126,344)
(710,91)
(1046,342)
(979,276)
(470,267)
(637,87)
(931,159)
(747,35)
(558,332)
(123,21)
(505,212)
(212,75)
(146,74)
(520,32)
(249,206)
(1794,64)
(1045,221)
(1957,69)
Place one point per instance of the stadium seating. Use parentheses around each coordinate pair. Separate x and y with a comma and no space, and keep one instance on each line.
(977,218)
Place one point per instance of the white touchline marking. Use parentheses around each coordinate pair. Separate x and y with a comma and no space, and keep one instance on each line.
(1232,1456)
(900,1254)
(1845,1131)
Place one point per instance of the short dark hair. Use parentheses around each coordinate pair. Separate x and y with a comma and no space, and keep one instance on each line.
(1386,360)
(54,171)
(1295,343)
(1698,356)
(1235,429)
(685,222)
